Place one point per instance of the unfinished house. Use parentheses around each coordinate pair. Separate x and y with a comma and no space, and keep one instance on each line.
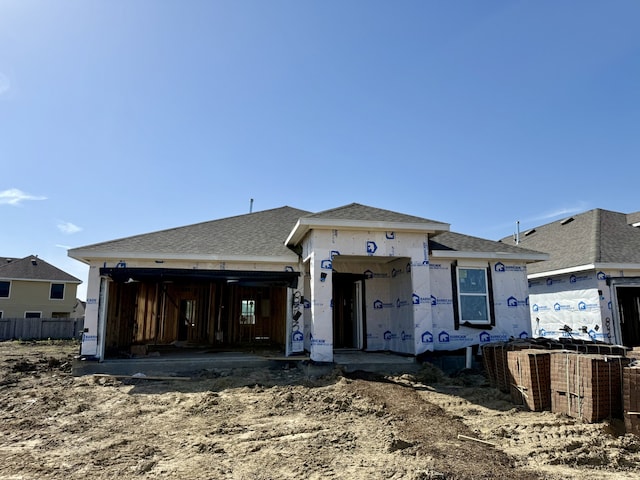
(350,278)
(589,287)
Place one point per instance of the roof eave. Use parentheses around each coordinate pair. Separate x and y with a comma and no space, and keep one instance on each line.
(526,257)
(582,268)
(87,257)
(47,280)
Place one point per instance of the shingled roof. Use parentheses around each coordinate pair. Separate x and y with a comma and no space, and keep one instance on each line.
(358,212)
(255,234)
(33,268)
(594,237)
(262,234)
(459,244)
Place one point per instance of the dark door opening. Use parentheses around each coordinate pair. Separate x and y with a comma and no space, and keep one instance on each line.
(629,314)
(348,311)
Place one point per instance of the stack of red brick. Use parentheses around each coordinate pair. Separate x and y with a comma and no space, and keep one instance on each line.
(496,362)
(530,378)
(565,377)
(630,399)
(588,387)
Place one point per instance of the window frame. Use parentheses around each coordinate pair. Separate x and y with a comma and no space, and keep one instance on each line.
(27,312)
(487,294)
(51,285)
(247,311)
(8,289)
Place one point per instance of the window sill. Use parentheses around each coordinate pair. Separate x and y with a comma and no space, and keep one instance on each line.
(481,326)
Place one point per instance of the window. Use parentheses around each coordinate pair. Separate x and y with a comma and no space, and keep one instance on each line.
(57,291)
(473,295)
(32,314)
(60,315)
(5,288)
(248,314)
(0,313)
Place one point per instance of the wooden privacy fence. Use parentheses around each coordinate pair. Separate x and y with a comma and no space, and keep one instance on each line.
(40,328)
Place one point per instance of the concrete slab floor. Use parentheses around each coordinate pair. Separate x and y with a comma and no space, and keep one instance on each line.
(188,364)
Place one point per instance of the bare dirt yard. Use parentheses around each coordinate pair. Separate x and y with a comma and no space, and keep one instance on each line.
(284,424)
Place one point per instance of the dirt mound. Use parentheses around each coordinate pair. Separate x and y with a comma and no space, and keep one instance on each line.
(282,424)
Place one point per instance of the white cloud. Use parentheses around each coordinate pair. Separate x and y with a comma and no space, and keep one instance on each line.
(68,228)
(560,212)
(13,196)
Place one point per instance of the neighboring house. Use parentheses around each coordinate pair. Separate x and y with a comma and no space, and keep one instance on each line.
(33,288)
(354,277)
(78,309)
(589,288)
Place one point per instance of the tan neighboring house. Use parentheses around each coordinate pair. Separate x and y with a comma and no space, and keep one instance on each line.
(33,288)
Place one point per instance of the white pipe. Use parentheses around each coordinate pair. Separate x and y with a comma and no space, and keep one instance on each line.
(469,358)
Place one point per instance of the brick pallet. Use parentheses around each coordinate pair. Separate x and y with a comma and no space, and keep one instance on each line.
(530,370)
(585,386)
(630,399)
(494,357)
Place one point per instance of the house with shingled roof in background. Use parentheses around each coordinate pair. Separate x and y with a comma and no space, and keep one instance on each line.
(589,287)
(32,288)
(350,278)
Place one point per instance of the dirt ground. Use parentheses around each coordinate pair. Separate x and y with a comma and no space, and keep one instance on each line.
(283,424)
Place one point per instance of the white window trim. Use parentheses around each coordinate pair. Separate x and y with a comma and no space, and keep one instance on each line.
(10,285)
(33,311)
(486,295)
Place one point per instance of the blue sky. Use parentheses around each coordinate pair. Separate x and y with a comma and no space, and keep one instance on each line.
(126,117)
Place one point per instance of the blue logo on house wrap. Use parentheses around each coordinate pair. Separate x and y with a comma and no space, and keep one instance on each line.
(326,264)
(484,337)
(427,337)
(438,301)
(389,335)
(297,336)
(443,337)
(582,306)
(288,268)
(378,304)
(401,303)
(368,274)
(539,308)
(512,302)
(499,267)
(404,336)
(524,335)
(306,303)
(334,253)
(601,276)
(390,235)
(371,247)
(557,307)
(417,299)
(542,332)
(576,279)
